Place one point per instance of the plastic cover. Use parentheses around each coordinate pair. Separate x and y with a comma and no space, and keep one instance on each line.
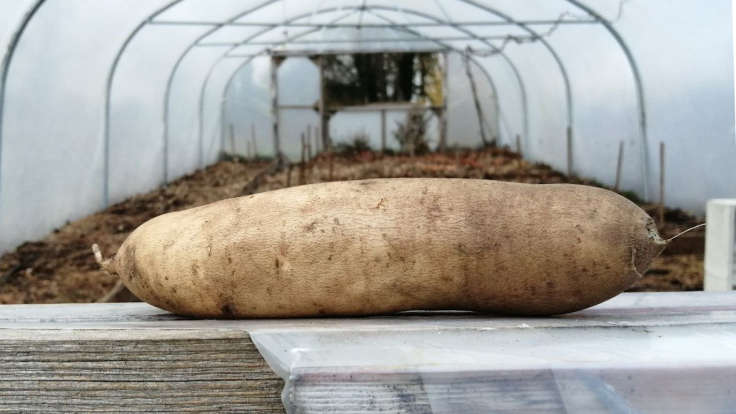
(634,353)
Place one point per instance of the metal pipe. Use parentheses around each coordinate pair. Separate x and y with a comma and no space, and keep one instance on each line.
(425,15)
(563,70)
(5,68)
(366,40)
(476,102)
(312,52)
(200,139)
(211,69)
(507,60)
(494,91)
(108,90)
(232,76)
(638,83)
(513,67)
(174,70)
(517,74)
(375,25)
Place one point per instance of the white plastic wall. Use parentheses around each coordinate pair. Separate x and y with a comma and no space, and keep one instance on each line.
(52,156)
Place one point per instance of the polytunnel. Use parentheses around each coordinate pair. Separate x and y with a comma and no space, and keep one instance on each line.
(103,100)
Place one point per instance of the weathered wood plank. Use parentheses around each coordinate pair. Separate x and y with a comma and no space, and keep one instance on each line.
(181,373)
(134,357)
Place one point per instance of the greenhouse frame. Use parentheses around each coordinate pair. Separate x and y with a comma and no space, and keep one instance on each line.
(127,98)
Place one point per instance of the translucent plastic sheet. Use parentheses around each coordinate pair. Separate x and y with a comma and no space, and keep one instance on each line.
(634,353)
(11,14)
(52,158)
(137,141)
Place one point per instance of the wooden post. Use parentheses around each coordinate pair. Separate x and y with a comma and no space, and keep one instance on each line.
(317,137)
(323,115)
(445,95)
(383,131)
(316,142)
(518,144)
(619,164)
(275,62)
(254,149)
(570,172)
(288,175)
(309,142)
(661,183)
(232,139)
(301,164)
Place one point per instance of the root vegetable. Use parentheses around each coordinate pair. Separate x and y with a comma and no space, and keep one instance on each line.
(388,245)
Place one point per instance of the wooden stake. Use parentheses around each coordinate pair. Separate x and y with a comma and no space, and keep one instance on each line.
(275,114)
(320,146)
(288,175)
(569,152)
(661,183)
(518,144)
(301,164)
(619,164)
(383,131)
(316,145)
(232,139)
(253,139)
(309,143)
(445,98)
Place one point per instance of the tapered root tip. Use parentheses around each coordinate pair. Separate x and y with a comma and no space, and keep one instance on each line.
(645,250)
(105,264)
(98,254)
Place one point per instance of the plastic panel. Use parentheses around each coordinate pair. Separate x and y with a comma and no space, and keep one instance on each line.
(633,353)
(136,139)
(10,17)
(248,105)
(52,134)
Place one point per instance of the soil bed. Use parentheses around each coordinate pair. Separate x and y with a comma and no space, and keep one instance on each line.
(61,268)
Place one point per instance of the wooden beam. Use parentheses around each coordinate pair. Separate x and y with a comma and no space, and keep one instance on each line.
(445,98)
(275,113)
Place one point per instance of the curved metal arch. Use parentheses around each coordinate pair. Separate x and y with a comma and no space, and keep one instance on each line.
(172,74)
(517,74)
(494,91)
(497,106)
(639,84)
(515,70)
(555,56)
(108,90)
(211,70)
(5,67)
(175,68)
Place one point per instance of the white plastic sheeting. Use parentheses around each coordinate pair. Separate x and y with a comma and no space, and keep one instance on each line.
(53,164)
(631,354)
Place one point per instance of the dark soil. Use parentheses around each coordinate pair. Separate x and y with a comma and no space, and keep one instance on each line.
(61,268)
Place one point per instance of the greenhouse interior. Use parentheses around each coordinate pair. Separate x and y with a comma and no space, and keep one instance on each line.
(114,113)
